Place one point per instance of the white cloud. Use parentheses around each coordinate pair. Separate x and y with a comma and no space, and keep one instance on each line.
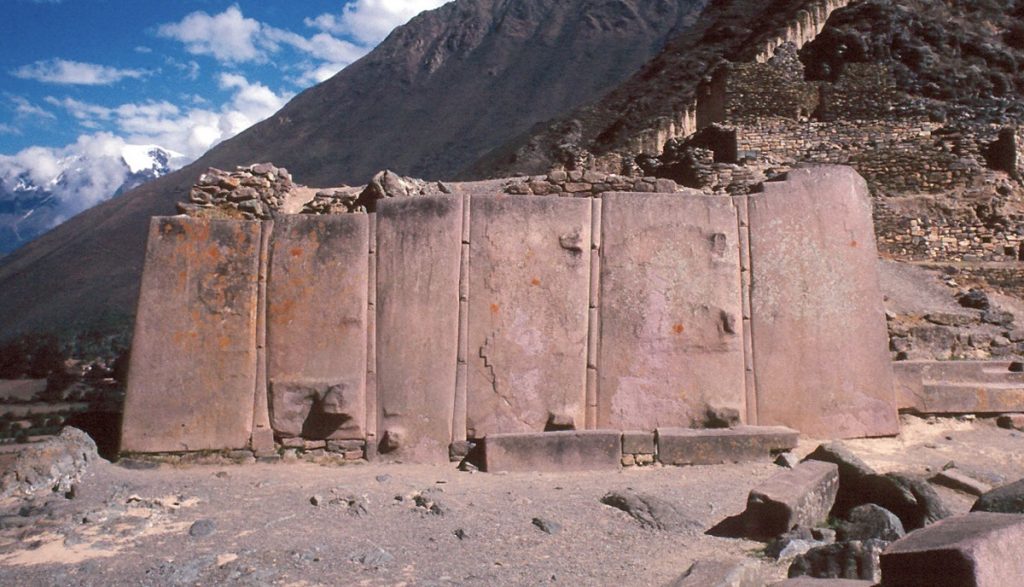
(25,109)
(62,71)
(232,38)
(89,171)
(92,169)
(229,36)
(7,129)
(319,46)
(191,130)
(369,21)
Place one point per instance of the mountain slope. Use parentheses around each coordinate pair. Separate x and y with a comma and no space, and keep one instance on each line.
(960,53)
(436,95)
(664,86)
(459,81)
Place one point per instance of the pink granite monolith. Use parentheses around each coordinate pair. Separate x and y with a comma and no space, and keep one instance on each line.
(671,311)
(316,326)
(820,344)
(419,244)
(193,368)
(528,313)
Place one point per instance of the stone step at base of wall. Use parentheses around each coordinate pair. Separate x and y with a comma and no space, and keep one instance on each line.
(715,446)
(954,372)
(958,387)
(569,450)
(970,398)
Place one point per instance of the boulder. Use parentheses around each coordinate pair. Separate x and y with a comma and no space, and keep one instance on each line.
(958,481)
(852,472)
(842,560)
(796,542)
(979,549)
(911,499)
(868,521)
(1008,499)
(650,511)
(54,465)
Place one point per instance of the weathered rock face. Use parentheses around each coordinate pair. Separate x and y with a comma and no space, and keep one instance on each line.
(670,287)
(419,244)
(54,465)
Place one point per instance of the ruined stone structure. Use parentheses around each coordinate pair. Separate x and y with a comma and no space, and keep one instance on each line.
(756,118)
(440,318)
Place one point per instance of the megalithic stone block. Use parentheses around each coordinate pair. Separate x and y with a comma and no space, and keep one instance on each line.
(419,245)
(819,334)
(528,313)
(316,325)
(812,582)
(568,450)
(716,446)
(193,368)
(802,496)
(975,550)
(671,322)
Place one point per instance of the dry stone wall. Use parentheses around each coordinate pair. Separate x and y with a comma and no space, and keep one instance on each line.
(442,318)
(758,119)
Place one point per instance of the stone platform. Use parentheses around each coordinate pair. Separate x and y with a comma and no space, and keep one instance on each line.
(958,387)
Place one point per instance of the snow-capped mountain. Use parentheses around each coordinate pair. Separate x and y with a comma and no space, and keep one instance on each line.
(36,198)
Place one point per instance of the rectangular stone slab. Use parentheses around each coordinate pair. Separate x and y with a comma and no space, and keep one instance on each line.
(419,244)
(958,387)
(716,446)
(978,549)
(671,311)
(569,450)
(316,324)
(820,344)
(193,366)
(802,496)
(529,298)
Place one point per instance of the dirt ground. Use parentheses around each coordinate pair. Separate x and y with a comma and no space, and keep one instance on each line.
(412,525)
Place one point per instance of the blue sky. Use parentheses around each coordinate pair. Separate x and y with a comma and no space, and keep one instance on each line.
(86,77)
(69,67)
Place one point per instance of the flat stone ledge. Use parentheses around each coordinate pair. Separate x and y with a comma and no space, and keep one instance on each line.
(978,549)
(811,582)
(716,446)
(569,450)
